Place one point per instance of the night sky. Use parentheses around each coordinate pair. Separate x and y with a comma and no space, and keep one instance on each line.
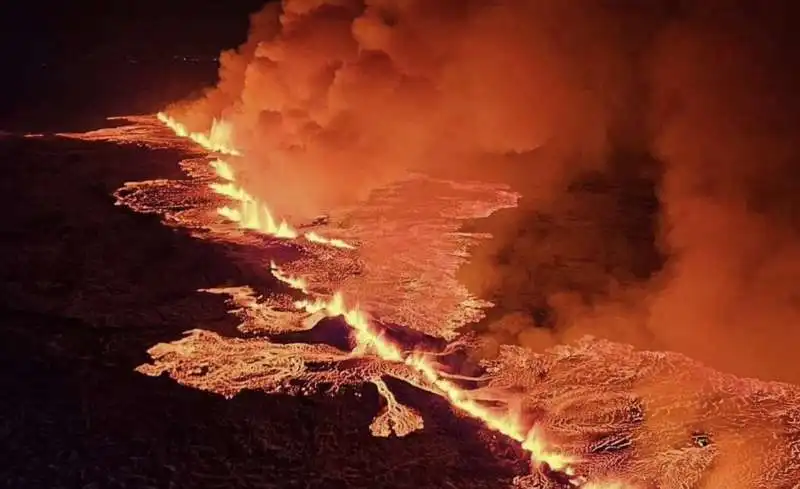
(115,57)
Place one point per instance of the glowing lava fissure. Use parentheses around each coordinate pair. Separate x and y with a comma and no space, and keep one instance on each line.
(254,215)
(372,340)
(251,213)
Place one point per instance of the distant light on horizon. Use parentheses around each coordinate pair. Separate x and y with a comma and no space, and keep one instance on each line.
(194,59)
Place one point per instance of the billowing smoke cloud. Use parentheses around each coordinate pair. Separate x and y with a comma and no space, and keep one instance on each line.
(721,164)
(655,145)
(729,135)
(333,98)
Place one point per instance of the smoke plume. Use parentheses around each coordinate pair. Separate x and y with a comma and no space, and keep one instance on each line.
(714,189)
(728,119)
(655,146)
(333,98)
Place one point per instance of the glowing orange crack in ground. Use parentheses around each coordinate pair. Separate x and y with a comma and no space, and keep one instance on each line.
(255,215)
(222,169)
(298,283)
(251,214)
(215,141)
(532,441)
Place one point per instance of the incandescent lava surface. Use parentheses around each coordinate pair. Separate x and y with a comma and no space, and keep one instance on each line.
(593,414)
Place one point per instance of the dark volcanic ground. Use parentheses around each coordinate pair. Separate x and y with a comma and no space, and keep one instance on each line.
(86,287)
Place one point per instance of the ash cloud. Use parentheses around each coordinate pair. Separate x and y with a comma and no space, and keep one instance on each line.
(333,98)
(719,169)
(655,146)
(728,118)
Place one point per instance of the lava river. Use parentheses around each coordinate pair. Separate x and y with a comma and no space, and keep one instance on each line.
(592,414)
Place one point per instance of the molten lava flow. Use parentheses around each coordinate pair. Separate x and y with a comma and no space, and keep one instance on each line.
(371,339)
(254,215)
(251,214)
(605,485)
(298,283)
(223,169)
(338,243)
(216,141)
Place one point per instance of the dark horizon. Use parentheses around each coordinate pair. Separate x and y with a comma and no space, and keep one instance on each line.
(80,60)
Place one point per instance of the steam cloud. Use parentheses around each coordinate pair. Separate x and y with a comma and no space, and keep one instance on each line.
(656,146)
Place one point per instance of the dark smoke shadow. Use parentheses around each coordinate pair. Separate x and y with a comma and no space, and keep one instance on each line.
(601,230)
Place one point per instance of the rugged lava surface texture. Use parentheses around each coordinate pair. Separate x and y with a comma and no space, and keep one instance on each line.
(126,255)
(88,287)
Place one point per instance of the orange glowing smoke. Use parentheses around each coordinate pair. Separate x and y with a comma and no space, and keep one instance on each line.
(255,215)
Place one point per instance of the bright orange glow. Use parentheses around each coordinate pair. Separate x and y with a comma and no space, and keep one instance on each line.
(298,283)
(229,189)
(372,340)
(338,243)
(223,170)
(218,140)
(251,214)
(255,215)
